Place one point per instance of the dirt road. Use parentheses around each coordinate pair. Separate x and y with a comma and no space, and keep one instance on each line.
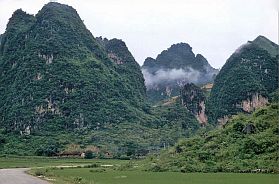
(18,176)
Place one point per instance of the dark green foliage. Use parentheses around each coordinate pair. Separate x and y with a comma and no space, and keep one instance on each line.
(88,154)
(249,71)
(48,150)
(238,127)
(60,75)
(266,44)
(229,149)
(177,56)
(274,96)
(126,66)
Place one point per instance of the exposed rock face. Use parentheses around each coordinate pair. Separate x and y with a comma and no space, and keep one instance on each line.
(255,102)
(115,58)
(201,116)
(193,99)
(48,58)
(223,120)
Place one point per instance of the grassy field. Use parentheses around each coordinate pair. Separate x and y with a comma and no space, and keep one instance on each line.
(89,176)
(27,162)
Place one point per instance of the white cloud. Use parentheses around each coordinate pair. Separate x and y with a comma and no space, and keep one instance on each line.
(170,75)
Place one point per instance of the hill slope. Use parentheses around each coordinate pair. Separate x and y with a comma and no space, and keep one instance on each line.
(244,82)
(247,143)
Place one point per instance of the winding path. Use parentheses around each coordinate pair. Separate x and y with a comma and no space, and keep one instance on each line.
(18,176)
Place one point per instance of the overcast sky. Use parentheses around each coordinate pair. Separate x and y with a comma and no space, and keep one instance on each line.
(214,28)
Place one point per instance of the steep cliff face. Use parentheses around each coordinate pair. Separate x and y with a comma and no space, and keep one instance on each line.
(245,82)
(193,99)
(254,103)
(173,68)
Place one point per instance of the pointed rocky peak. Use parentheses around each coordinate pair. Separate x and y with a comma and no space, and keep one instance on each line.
(201,59)
(16,29)
(114,45)
(20,19)
(149,62)
(177,56)
(58,13)
(182,47)
(266,44)
(117,50)
(261,38)
(57,7)
(59,27)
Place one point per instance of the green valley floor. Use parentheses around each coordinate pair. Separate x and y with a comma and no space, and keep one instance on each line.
(57,171)
(86,176)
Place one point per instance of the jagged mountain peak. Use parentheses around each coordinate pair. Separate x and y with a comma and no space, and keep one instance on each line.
(18,18)
(57,11)
(266,44)
(174,67)
(182,46)
(58,7)
(262,38)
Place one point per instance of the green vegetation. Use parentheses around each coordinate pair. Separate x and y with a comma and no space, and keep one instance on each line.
(266,44)
(59,77)
(109,171)
(250,71)
(61,86)
(166,125)
(245,144)
(64,93)
(108,176)
(35,161)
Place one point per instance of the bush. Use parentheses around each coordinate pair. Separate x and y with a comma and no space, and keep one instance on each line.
(49,150)
(238,127)
(88,154)
(2,139)
(97,170)
(92,166)
(40,172)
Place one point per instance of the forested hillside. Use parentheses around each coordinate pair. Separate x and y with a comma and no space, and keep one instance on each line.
(247,143)
(245,82)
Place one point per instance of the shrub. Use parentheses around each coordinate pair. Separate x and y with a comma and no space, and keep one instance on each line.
(88,154)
